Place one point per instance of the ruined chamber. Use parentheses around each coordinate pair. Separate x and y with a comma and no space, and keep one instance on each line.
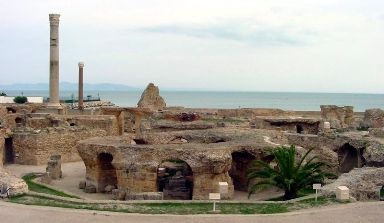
(181,164)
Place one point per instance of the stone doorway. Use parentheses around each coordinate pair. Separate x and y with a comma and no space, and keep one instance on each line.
(107,172)
(238,172)
(299,129)
(350,157)
(175,180)
(9,154)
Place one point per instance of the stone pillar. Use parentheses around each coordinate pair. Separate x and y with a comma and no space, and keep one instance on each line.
(54,99)
(81,86)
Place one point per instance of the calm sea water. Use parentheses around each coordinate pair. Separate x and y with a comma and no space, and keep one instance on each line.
(287,101)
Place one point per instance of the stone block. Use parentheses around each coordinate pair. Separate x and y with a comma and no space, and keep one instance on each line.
(342,193)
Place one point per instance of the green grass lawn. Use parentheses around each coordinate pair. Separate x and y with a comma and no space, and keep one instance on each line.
(176,208)
(36,187)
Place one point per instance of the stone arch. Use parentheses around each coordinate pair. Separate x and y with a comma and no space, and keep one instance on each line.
(106,172)
(239,167)
(175,179)
(299,129)
(11,110)
(350,157)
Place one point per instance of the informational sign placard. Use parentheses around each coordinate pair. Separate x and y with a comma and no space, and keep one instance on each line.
(214,196)
(316,186)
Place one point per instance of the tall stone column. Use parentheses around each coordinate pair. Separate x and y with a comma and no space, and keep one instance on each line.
(81,86)
(54,98)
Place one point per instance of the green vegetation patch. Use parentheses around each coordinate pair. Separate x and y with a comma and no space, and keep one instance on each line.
(176,208)
(39,188)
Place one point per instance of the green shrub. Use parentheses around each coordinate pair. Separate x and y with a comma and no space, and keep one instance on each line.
(20,99)
(3,93)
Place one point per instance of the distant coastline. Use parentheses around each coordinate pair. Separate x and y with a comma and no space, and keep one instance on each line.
(205,99)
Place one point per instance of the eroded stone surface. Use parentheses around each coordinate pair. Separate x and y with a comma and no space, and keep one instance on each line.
(151,98)
(17,186)
(374,118)
(364,183)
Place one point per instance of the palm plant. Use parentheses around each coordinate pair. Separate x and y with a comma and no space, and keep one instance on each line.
(289,175)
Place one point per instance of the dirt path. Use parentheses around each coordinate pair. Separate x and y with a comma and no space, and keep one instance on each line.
(369,212)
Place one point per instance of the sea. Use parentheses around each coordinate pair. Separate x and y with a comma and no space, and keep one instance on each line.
(211,99)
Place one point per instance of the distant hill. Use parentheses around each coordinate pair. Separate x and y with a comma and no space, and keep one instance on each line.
(67,86)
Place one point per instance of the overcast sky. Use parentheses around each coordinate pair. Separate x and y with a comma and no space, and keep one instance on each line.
(248,45)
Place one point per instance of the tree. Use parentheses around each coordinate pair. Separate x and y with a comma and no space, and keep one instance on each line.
(3,93)
(289,175)
(20,99)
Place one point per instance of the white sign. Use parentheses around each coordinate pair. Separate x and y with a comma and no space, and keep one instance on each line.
(316,186)
(214,196)
(223,187)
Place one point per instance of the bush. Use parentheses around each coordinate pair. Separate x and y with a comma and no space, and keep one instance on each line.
(20,99)
(3,93)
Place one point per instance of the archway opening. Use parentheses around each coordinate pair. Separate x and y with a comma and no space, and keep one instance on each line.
(240,164)
(175,180)
(350,157)
(18,120)
(107,172)
(11,110)
(9,154)
(299,129)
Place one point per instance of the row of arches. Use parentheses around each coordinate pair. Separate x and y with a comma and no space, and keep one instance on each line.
(175,177)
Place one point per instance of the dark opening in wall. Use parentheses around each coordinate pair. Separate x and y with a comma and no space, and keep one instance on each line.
(240,164)
(72,124)
(9,155)
(175,180)
(350,157)
(299,129)
(107,172)
(140,141)
(11,110)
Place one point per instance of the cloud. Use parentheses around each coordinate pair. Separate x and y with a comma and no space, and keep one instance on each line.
(258,35)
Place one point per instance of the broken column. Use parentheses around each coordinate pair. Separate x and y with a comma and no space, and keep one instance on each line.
(54,99)
(54,167)
(81,87)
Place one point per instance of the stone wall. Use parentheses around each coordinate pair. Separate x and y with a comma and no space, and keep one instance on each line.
(374,118)
(252,112)
(207,152)
(2,141)
(35,147)
(104,122)
(290,124)
(338,117)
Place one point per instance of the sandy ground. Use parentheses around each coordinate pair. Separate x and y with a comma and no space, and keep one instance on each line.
(74,172)
(368,212)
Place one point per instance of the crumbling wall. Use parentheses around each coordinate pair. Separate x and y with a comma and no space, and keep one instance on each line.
(35,147)
(252,112)
(290,124)
(2,141)
(374,118)
(136,165)
(338,117)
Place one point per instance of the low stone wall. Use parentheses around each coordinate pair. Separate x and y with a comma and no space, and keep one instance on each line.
(35,147)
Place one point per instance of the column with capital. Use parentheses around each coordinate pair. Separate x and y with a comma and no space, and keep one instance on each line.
(81,86)
(54,98)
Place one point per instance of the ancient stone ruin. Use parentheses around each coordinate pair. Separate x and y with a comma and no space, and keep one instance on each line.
(151,98)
